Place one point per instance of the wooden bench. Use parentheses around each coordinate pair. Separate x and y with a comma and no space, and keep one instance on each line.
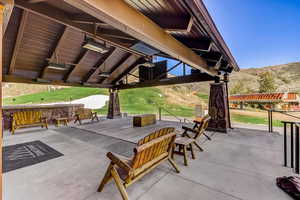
(150,152)
(61,120)
(24,119)
(85,113)
(144,120)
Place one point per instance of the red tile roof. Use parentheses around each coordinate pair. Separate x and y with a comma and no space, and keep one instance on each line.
(265,97)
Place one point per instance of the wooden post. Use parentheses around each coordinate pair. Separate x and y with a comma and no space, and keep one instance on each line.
(218,108)
(114,104)
(1,125)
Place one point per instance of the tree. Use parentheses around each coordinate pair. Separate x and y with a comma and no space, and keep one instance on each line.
(266,82)
(241,87)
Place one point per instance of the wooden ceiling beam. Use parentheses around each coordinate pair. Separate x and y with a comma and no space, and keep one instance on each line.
(182,23)
(79,18)
(201,44)
(18,42)
(134,23)
(8,9)
(203,19)
(79,64)
(121,68)
(129,69)
(114,33)
(61,17)
(36,1)
(19,79)
(56,50)
(169,81)
(98,66)
(212,56)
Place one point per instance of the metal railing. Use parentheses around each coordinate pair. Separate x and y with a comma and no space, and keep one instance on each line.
(184,120)
(294,145)
(270,117)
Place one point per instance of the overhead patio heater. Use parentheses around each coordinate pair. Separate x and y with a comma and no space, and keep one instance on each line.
(104,74)
(145,49)
(58,66)
(92,45)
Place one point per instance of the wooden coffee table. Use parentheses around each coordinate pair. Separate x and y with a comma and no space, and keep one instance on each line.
(144,120)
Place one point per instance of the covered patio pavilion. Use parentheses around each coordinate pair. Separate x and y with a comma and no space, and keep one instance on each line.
(239,165)
(103,44)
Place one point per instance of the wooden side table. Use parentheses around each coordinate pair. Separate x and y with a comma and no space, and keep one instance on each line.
(184,144)
(61,120)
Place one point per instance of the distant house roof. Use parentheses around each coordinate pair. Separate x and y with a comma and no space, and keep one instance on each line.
(265,97)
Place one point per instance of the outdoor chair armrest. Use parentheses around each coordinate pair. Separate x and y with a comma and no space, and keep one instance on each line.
(43,119)
(120,163)
(197,122)
(188,129)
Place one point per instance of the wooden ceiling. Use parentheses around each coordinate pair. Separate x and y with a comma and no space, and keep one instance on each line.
(43,31)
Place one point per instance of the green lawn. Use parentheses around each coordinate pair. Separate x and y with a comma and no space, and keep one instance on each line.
(253,120)
(147,100)
(65,94)
(133,101)
(203,96)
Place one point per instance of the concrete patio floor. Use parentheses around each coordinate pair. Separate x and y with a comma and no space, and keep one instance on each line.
(240,165)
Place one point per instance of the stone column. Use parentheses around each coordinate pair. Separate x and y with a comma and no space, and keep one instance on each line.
(218,108)
(113,105)
(241,105)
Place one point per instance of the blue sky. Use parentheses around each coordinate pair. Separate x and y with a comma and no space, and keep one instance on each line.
(259,32)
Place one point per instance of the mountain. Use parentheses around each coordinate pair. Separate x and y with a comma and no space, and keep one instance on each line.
(286,76)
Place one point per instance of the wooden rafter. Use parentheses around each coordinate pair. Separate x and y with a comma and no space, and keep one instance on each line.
(98,66)
(202,17)
(121,68)
(170,81)
(18,79)
(56,50)
(133,22)
(61,17)
(36,1)
(115,66)
(201,44)
(78,65)
(183,23)
(18,42)
(129,69)
(86,19)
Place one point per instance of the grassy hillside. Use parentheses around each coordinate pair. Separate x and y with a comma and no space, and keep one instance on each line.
(134,101)
(178,99)
(147,100)
(65,94)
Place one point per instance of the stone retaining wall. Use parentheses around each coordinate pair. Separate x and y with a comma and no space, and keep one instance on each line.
(49,111)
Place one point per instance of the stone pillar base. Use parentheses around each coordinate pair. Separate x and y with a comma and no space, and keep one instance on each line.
(113,105)
(218,108)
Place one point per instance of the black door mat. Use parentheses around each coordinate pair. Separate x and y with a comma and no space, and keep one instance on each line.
(26,154)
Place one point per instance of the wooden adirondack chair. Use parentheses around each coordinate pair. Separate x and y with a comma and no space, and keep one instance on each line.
(198,130)
(25,119)
(150,152)
(85,113)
